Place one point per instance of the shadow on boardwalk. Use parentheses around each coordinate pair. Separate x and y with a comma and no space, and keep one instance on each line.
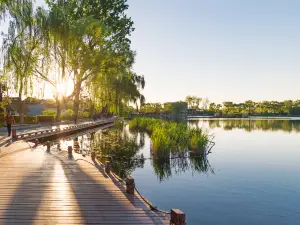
(68,192)
(26,197)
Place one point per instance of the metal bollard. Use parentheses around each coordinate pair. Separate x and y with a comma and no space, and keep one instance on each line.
(70,149)
(93,155)
(107,167)
(130,185)
(177,217)
(48,146)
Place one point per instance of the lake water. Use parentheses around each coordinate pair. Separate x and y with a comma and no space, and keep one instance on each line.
(251,176)
(255,178)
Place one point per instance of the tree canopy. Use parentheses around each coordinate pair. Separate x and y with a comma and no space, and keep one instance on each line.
(87,42)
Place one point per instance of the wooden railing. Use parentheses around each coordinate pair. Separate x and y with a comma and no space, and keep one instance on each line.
(59,131)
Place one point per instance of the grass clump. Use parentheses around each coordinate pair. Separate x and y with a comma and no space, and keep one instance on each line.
(197,140)
(169,136)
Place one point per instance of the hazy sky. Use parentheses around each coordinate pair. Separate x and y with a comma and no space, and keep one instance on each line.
(220,49)
(224,50)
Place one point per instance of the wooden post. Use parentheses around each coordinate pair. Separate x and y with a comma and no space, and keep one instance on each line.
(107,167)
(70,149)
(14,134)
(177,217)
(48,146)
(93,155)
(130,185)
(36,142)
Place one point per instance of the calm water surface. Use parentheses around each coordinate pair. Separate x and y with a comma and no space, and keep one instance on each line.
(250,177)
(255,178)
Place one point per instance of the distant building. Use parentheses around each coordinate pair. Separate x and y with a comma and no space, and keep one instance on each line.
(30,109)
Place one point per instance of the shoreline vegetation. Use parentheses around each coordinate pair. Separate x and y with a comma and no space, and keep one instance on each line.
(125,149)
(171,137)
(194,106)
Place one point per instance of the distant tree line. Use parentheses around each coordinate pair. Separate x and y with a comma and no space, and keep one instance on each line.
(179,107)
(202,106)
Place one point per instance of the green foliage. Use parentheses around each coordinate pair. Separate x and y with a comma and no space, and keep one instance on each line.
(249,107)
(86,115)
(49,112)
(68,114)
(175,107)
(120,148)
(27,119)
(87,40)
(169,108)
(45,118)
(197,139)
(169,136)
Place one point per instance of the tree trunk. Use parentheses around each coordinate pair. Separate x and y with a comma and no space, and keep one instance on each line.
(58,110)
(76,101)
(92,109)
(21,108)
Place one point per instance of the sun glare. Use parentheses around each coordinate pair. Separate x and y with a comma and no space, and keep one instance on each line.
(63,89)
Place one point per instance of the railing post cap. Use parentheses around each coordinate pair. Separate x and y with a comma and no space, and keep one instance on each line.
(129,180)
(178,217)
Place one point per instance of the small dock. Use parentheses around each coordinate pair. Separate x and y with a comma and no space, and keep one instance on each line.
(40,187)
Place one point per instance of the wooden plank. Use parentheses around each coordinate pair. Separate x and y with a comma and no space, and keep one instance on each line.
(39,188)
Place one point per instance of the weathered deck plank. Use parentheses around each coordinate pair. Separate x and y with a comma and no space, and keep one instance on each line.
(41,188)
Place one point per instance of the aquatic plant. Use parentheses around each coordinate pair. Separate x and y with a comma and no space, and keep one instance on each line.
(197,140)
(167,136)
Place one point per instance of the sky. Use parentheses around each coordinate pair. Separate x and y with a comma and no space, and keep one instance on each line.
(231,50)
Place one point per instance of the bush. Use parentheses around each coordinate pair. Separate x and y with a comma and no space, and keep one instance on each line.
(49,112)
(45,118)
(67,115)
(86,115)
(27,119)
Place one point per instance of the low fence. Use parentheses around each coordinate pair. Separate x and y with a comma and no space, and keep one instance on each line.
(58,131)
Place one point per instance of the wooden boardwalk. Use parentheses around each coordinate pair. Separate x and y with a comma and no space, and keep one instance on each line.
(49,188)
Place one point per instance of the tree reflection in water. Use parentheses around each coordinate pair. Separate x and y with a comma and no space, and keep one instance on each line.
(189,161)
(122,148)
(252,124)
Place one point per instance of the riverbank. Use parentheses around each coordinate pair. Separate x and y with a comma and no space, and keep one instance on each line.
(247,118)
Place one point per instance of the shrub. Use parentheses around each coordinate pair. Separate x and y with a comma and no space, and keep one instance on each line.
(86,115)
(49,112)
(45,118)
(67,114)
(27,119)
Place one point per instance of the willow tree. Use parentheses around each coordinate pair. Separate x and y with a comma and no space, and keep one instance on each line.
(95,28)
(55,28)
(117,85)
(21,49)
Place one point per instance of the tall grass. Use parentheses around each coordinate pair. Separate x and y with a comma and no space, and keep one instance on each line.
(169,136)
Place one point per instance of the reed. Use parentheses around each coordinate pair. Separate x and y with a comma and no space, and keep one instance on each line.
(169,136)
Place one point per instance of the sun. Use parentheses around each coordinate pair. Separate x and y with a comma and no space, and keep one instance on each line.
(64,88)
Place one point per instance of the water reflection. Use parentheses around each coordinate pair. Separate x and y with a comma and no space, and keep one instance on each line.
(121,149)
(251,125)
(192,162)
(128,151)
